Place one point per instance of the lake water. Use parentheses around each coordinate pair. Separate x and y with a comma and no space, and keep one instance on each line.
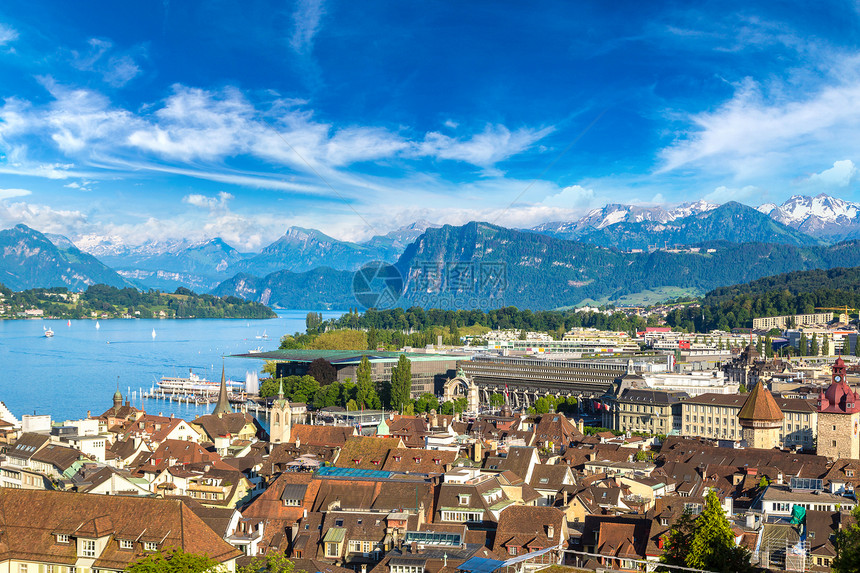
(77,370)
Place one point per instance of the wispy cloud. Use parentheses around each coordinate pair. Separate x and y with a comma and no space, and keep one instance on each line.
(117,69)
(759,132)
(9,193)
(306,24)
(7,34)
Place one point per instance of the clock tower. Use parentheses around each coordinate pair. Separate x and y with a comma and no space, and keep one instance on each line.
(839,418)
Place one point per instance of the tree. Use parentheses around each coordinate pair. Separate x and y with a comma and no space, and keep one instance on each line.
(813,351)
(323,371)
(846,345)
(426,402)
(274,562)
(340,340)
(497,400)
(707,542)
(173,560)
(313,320)
(848,545)
(803,345)
(365,392)
(857,346)
(401,383)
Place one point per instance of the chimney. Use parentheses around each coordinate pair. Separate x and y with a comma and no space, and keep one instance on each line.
(477,455)
(89,414)
(171,415)
(565,497)
(414,548)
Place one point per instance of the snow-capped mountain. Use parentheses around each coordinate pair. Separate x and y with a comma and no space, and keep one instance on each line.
(108,246)
(821,216)
(614,213)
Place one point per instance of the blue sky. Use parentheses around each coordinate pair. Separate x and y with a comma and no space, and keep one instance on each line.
(139,121)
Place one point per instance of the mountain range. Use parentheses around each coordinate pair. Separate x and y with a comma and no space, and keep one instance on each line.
(554,264)
(488,266)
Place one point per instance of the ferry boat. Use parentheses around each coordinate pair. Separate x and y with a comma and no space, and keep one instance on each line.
(48,332)
(194,384)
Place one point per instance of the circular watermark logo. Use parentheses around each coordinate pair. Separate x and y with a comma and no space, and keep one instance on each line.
(377,285)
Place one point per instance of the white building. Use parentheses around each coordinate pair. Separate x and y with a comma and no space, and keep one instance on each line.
(693,383)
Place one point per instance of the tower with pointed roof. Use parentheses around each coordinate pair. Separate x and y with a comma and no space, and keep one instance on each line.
(223,405)
(760,419)
(280,418)
(839,417)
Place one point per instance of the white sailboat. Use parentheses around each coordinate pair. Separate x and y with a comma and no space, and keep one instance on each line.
(153,333)
(98,325)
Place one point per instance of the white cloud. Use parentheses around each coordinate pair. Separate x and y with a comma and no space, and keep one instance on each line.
(198,200)
(7,35)
(306,21)
(43,218)
(9,193)
(572,197)
(496,143)
(116,70)
(762,132)
(840,175)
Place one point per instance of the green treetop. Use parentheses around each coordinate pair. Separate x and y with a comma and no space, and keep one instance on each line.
(706,542)
(173,560)
(365,393)
(401,383)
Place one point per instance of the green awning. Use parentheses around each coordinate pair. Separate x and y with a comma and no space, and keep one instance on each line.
(334,535)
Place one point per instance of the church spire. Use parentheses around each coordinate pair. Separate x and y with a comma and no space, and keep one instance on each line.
(223,405)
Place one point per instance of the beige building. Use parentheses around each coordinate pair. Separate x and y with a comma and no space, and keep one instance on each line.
(715,416)
(794,320)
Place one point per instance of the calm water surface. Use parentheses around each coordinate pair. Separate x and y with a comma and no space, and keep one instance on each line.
(77,370)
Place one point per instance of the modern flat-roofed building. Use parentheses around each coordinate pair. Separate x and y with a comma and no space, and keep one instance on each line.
(429,371)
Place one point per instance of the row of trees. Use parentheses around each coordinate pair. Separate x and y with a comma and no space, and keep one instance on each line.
(418,320)
(320,388)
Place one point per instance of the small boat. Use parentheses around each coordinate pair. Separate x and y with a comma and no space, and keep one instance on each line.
(153,333)
(48,332)
(68,323)
(257,350)
(98,325)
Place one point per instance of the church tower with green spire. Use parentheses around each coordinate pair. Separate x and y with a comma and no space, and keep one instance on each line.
(223,405)
(280,418)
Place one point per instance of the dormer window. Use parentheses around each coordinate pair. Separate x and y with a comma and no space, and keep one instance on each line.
(150,546)
(464,499)
(849,473)
(126,544)
(62,538)
(87,547)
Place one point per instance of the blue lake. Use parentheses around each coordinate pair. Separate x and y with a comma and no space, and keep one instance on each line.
(77,369)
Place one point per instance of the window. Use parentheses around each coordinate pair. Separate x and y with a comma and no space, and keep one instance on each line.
(88,547)
(49,569)
(150,546)
(126,544)
(512,550)
(62,538)
(331,549)
(22,568)
(464,499)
